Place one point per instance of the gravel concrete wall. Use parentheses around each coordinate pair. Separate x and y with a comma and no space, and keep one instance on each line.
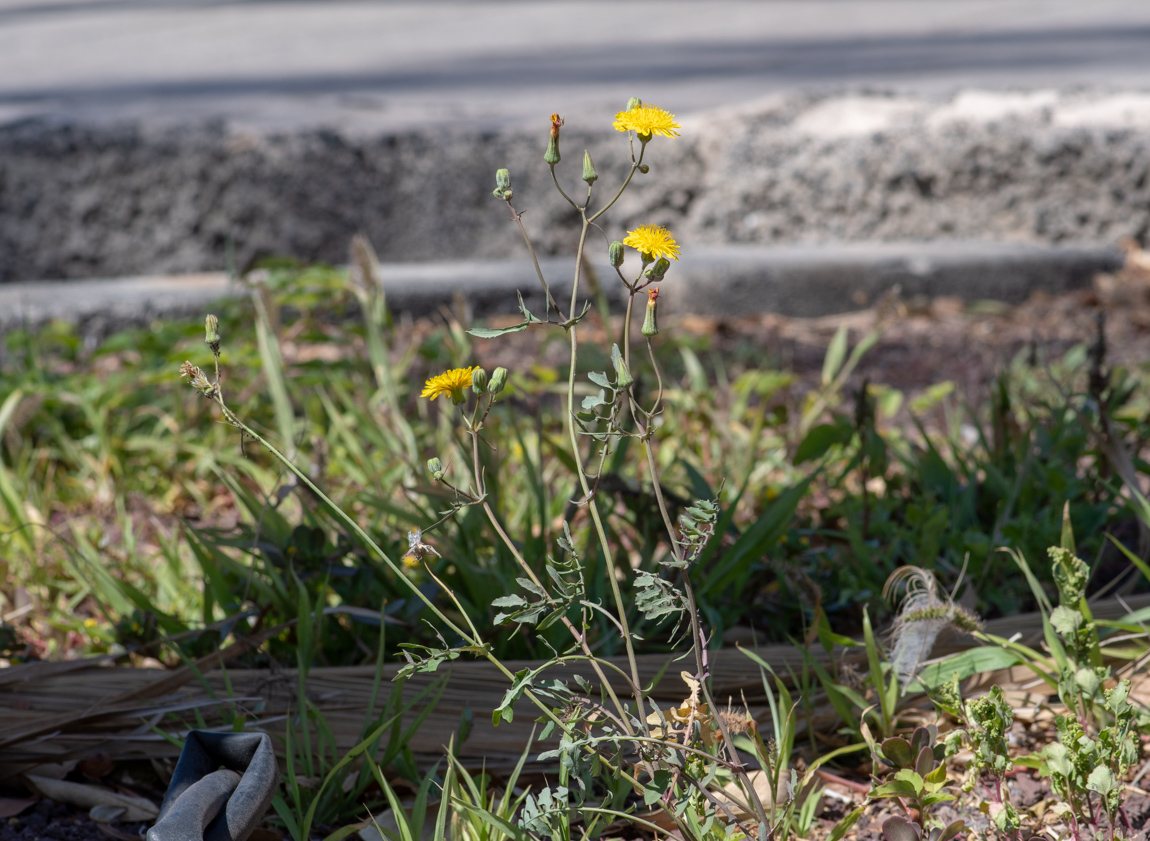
(1038,166)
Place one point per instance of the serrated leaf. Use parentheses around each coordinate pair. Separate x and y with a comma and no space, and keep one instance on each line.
(532,587)
(1100,780)
(1066,621)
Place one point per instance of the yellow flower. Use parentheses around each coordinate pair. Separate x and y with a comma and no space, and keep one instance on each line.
(654,241)
(449,384)
(647,120)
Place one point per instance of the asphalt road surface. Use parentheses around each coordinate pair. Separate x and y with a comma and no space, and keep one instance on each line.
(385,66)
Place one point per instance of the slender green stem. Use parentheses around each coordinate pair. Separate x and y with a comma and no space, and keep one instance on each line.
(570,201)
(580,636)
(658,378)
(698,640)
(347,520)
(634,168)
(653,827)
(627,330)
(535,260)
(340,514)
(592,506)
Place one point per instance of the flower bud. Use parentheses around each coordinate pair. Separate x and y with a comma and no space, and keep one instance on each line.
(658,271)
(650,326)
(212,333)
(589,173)
(498,380)
(435,468)
(643,168)
(552,153)
(479,381)
(615,252)
(623,378)
(633,103)
(502,185)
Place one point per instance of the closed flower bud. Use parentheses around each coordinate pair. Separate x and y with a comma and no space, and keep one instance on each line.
(435,468)
(658,271)
(643,168)
(589,173)
(498,380)
(623,378)
(479,381)
(615,252)
(502,185)
(212,332)
(552,153)
(633,103)
(650,326)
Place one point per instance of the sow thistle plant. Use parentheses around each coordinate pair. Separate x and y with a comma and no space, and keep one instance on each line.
(610,741)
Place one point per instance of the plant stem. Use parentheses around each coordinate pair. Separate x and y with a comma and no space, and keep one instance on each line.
(535,260)
(608,558)
(580,637)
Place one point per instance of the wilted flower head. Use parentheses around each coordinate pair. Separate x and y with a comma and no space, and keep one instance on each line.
(552,153)
(198,379)
(417,549)
(650,322)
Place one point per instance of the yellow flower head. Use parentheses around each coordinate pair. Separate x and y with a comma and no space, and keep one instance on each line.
(647,120)
(653,240)
(449,384)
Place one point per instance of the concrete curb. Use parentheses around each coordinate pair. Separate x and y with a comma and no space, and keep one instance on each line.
(1049,167)
(804,281)
(810,280)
